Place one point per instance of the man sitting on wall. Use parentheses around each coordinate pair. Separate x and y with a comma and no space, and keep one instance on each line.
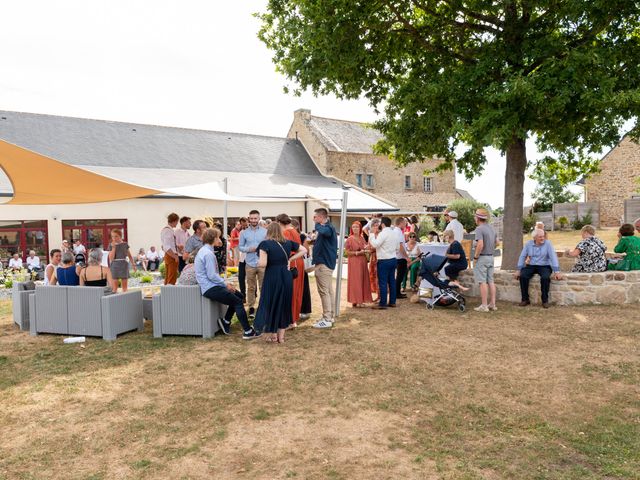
(153,259)
(542,259)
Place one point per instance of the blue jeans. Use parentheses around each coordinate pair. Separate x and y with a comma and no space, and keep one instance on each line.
(387,280)
(234,300)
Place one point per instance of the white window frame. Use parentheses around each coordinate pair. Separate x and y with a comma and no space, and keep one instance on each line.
(427,184)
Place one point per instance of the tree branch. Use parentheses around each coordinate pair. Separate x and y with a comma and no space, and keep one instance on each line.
(478,27)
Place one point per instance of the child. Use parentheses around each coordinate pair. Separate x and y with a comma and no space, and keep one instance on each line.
(118,253)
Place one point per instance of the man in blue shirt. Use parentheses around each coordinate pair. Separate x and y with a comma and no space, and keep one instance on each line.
(250,238)
(538,256)
(213,286)
(325,253)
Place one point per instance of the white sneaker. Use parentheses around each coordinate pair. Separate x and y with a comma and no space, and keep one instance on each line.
(493,308)
(482,308)
(323,324)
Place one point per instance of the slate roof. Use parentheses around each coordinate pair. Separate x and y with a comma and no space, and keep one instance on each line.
(345,136)
(102,143)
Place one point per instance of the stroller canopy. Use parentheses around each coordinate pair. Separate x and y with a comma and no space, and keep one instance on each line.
(433,263)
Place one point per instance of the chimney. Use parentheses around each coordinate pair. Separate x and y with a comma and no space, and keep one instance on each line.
(302,114)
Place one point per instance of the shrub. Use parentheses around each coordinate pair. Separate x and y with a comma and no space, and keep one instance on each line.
(425,225)
(136,274)
(466,209)
(146,279)
(8,283)
(563,222)
(529,222)
(162,269)
(578,223)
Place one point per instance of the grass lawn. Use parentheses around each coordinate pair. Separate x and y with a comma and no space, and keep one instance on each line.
(397,394)
(570,238)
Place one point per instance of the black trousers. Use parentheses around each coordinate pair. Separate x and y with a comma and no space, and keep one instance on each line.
(152,266)
(305,308)
(181,264)
(233,300)
(527,273)
(401,274)
(242,279)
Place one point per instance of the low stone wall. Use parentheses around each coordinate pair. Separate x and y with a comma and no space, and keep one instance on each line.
(573,289)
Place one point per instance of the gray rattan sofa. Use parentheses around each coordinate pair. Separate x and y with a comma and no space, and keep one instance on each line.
(182,310)
(88,311)
(20,297)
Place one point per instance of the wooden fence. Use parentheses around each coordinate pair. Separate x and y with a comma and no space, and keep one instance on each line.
(577,210)
(631,210)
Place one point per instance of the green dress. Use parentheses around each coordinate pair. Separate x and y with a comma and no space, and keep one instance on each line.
(630,246)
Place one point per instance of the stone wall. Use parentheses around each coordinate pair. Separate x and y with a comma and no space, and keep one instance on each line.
(573,289)
(388,179)
(616,181)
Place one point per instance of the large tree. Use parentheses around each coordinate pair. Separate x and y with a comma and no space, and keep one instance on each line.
(452,77)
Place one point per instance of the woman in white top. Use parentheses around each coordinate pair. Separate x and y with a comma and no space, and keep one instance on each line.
(413,249)
(55,257)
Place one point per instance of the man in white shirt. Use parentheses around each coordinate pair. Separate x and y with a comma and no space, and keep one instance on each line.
(454,225)
(153,258)
(386,242)
(182,235)
(79,248)
(168,239)
(33,262)
(16,262)
(401,256)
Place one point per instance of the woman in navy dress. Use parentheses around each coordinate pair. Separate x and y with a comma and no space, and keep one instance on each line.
(274,310)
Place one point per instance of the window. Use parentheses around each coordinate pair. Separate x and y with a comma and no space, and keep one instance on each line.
(359,179)
(428,184)
(407,182)
(92,233)
(369,181)
(21,236)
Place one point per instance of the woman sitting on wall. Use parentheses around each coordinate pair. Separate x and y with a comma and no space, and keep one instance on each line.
(629,245)
(590,252)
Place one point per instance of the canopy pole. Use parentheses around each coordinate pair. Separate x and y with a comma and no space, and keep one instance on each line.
(343,228)
(225,214)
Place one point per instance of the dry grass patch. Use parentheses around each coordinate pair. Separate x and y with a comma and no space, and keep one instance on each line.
(406,393)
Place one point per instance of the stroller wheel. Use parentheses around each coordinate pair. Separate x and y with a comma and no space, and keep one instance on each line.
(461,307)
(429,306)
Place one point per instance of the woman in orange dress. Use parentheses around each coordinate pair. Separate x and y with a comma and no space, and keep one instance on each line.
(373,262)
(358,288)
(290,233)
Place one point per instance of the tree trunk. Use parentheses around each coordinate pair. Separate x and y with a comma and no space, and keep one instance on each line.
(513,203)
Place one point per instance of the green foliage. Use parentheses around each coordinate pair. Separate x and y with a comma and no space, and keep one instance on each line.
(550,190)
(528,222)
(162,269)
(425,225)
(466,209)
(563,222)
(146,279)
(136,274)
(578,223)
(498,212)
(452,78)
(8,283)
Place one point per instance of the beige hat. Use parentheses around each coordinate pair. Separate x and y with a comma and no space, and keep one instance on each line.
(482,213)
(453,214)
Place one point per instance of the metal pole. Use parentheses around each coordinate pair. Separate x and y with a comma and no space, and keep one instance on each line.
(225,214)
(343,229)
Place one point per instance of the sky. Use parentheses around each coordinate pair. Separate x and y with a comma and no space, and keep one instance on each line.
(193,64)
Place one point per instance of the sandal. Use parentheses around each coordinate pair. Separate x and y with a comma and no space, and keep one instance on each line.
(271,339)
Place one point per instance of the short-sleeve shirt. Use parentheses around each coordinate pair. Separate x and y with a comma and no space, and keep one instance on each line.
(456,249)
(400,234)
(592,256)
(487,234)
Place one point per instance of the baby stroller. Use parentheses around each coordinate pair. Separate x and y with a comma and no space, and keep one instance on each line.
(443,295)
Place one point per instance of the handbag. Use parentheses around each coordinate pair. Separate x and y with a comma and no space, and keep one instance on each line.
(293,270)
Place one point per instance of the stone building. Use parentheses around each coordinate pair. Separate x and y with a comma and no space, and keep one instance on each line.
(616,182)
(344,149)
